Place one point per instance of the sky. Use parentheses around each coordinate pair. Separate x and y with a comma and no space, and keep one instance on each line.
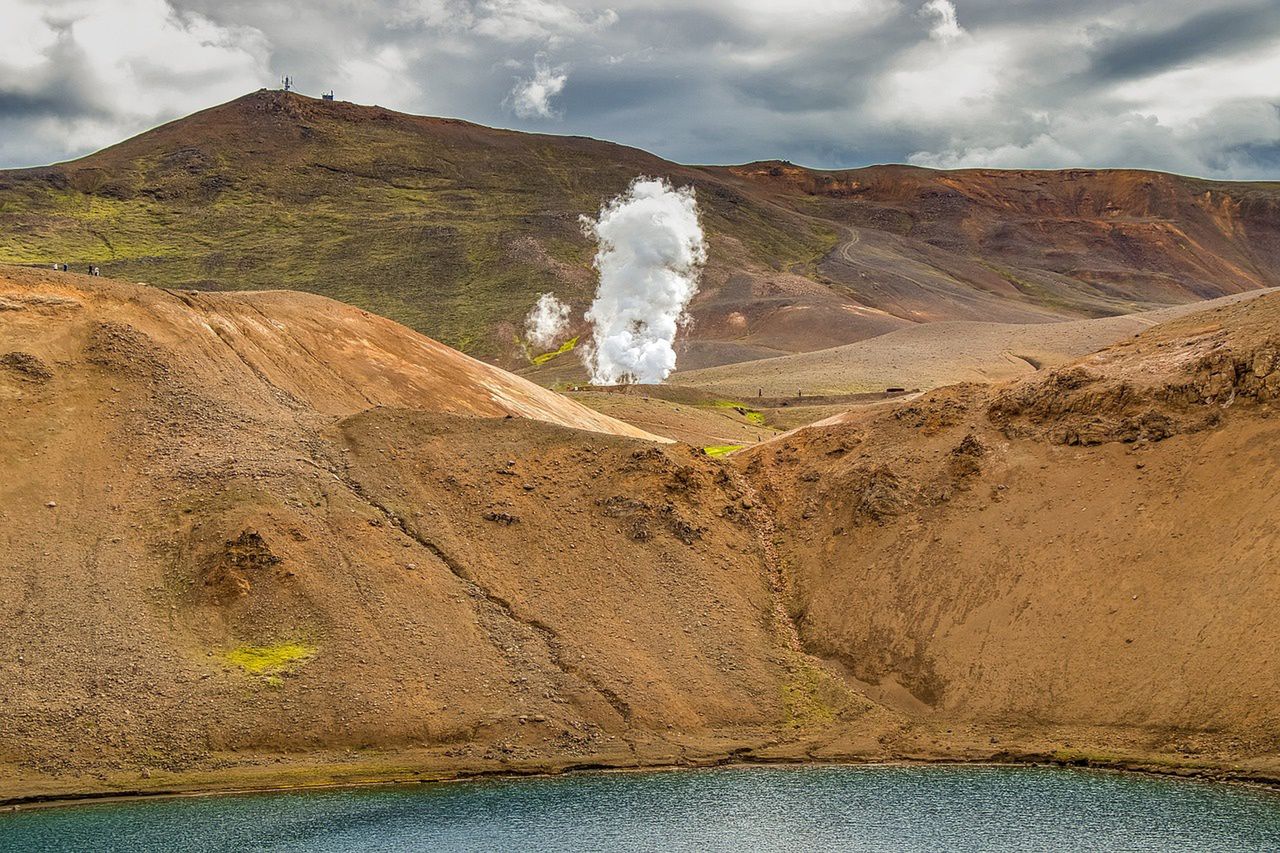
(1189,86)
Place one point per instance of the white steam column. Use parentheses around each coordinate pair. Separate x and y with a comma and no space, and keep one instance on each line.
(650,257)
(546,321)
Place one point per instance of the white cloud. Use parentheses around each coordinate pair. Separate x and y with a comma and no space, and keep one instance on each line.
(946,27)
(382,78)
(511,21)
(932,85)
(1183,95)
(146,56)
(104,69)
(531,96)
(531,20)
(1037,82)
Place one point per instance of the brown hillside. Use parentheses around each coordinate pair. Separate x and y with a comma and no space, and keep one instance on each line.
(1092,548)
(298,352)
(264,539)
(191,484)
(1068,237)
(926,356)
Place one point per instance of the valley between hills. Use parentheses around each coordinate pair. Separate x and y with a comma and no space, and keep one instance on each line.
(957,466)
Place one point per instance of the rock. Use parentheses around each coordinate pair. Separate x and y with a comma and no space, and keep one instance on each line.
(501,517)
(51,504)
(1265,361)
(27,366)
(970,445)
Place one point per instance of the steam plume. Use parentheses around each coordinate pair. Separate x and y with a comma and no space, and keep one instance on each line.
(650,258)
(546,320)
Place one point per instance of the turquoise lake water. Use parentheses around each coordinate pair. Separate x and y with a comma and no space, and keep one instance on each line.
(793,808)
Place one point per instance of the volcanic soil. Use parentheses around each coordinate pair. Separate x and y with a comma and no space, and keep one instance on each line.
(269,539)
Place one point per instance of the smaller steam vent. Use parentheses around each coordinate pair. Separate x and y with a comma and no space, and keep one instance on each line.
(328,96)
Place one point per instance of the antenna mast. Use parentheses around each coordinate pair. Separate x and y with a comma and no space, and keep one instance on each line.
(286,83)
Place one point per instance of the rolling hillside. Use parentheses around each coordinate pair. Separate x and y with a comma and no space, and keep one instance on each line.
(454,229)
(923,357)
(264,539)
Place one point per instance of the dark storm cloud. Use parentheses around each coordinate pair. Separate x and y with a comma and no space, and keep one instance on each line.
(48,102)
(1211,33)
(1167,84)
(603,94)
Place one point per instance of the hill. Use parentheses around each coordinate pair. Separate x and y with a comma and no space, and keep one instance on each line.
(451,228)
(229,537)
(267,539)
(1083,558)
(454,229)
(926,356)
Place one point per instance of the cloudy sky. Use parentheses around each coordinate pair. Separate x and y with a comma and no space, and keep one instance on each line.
(1189,86)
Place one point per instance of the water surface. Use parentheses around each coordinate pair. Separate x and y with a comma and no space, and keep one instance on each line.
(805,808)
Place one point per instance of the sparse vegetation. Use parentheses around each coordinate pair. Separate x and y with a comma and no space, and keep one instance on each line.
(721,449)
(451,234)
(565,347)
(270,662)
(811,697)
(750,415)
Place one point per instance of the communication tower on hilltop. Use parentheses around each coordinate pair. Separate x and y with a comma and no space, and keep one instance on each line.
(286,83)
(328,96)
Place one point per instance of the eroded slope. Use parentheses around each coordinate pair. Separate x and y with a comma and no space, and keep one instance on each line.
(1087,557)
(242,526)
(261,540)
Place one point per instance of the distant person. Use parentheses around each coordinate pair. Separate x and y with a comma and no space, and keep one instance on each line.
(66,268)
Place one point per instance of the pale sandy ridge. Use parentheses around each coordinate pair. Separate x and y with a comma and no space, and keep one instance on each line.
(933,354)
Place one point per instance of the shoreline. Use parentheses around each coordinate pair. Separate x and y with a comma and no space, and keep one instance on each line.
(1220,775)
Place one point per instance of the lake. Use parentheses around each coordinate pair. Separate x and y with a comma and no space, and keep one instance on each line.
(755,808)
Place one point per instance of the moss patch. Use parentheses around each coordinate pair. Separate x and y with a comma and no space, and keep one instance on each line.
(750,415)
(270,661)
(721,449)
(565,347)
(806,697)
(814,698)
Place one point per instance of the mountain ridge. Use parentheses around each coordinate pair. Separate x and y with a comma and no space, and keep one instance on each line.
(454,229)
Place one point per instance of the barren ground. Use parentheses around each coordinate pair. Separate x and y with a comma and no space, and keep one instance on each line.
(266,539)
(927,356)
